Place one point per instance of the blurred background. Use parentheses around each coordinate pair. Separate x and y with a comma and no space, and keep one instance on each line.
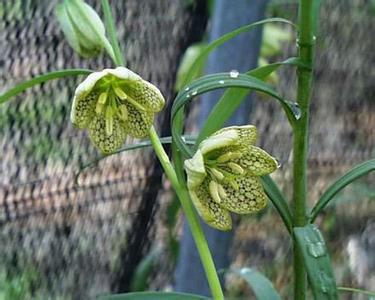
(119,228)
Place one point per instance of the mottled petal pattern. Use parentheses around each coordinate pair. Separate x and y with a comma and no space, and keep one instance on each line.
(98,135)
(249,197)
(83,110)
(257,161)
(210,211)
(113,103)
(247,134)
(138,122)
(146,94)
(224,175)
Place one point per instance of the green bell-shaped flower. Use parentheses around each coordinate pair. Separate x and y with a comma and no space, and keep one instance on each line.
(115,103)
(223,175)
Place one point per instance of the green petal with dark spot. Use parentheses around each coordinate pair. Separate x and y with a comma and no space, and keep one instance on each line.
(145,94)
(107,144)
(139,122)
(257,161)
(211,212)
(83,110)
(247,134)
(248,198)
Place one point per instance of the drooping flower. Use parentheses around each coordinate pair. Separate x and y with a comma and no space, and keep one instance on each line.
(115,103)
(224,175)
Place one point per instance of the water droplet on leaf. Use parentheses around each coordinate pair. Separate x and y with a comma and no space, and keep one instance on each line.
(234,74)
(325,282)
(221,81)
(296,110)
(316,249)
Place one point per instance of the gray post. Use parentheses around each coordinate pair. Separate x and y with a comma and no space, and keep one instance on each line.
(241,53)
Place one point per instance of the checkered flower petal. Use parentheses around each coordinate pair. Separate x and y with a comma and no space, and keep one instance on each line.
(114,103)
(224,175)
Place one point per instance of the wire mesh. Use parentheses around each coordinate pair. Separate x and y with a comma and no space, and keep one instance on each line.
(60,239)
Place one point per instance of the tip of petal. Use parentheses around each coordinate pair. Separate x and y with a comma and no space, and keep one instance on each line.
(218,140)
(123,73)
(195,170)
(88,84)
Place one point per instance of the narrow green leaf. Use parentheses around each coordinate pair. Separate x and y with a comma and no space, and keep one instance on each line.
(261,286)
(219,81)
(315,15)
(318,265)
(263,72)
(153,296)
(350,176)
(203,55)
(139,281)
(143,144)
(278,200)
(187,62)
(233,97)
(19,88)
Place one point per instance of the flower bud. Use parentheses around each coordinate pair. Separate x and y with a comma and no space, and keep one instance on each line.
(83,28)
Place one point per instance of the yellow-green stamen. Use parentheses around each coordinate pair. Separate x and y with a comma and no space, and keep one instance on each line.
(108,121)
(123,96)
(216,173)
(122,112)
(214,191)
(228,156)
(236,169)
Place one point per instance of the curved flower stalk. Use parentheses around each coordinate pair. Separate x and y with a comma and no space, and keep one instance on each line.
(223,175)
(115,103)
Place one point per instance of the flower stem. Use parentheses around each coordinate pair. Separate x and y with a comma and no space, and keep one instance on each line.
(111,27)
(191,217)
(306,43)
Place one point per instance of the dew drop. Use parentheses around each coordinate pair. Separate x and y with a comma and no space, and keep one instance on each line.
(296,110)
(187,96)
(325,282)
(221,81)
(234,74)
(318,233)
(278,164)
(187,88)
(194,93)
(297,43)
(316,249)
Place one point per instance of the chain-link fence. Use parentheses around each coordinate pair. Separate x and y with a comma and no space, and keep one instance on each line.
(59,238)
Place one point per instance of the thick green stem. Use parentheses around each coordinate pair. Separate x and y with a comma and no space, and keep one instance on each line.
(191,217)
(306,41)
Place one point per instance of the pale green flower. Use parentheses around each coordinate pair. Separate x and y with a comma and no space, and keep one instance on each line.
(115,103)
(224,175)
